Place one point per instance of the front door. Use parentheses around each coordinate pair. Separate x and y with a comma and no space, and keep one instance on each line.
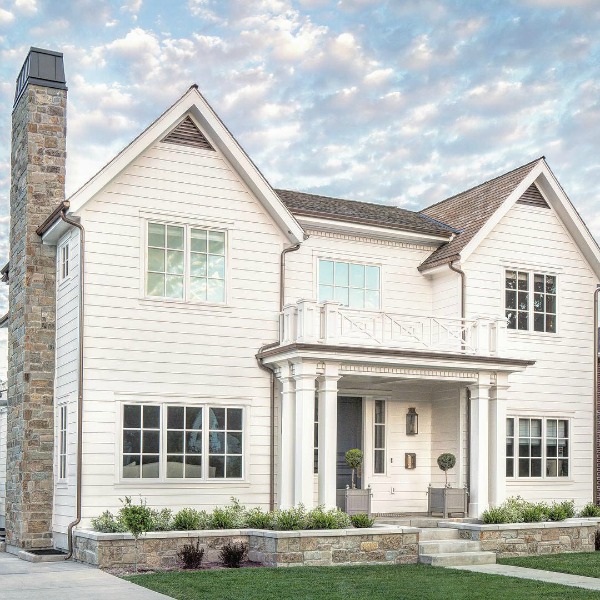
(349,435)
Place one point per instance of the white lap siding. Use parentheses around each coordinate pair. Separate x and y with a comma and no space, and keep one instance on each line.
(140,350)
(560,383)
(66,384)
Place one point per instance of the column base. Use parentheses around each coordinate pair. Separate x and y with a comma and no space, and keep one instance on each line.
(475,510)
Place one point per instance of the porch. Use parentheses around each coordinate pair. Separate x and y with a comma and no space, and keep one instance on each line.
(337,396)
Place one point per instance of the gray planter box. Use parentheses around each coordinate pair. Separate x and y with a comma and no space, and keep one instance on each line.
(447,501)
(354,502)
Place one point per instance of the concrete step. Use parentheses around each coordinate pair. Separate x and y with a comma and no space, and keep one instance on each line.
(456,559)
(448,546)
(438,533)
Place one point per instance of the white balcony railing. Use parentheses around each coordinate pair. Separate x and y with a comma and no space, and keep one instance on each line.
(329,323)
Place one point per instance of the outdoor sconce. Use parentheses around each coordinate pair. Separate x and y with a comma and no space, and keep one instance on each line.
(412,422)
(410,460)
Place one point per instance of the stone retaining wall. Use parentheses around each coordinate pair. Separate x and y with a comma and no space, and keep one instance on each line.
(158,550)
(531,539)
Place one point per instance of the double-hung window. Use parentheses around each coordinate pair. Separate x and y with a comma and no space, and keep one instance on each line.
(530,301)
(353,285)
(185,263)
(172,441)
(537,448)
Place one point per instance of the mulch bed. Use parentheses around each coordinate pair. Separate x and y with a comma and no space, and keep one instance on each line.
(208,566)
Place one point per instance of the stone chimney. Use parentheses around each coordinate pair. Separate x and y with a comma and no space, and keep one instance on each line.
(37,187)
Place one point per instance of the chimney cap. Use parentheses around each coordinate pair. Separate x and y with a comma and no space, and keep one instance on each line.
(41,67)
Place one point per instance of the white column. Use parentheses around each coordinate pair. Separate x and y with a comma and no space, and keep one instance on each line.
(286,434)
(305,375)
(497,448)
(328,435)
(478,451)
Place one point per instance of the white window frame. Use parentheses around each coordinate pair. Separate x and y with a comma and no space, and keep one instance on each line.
(162,475)
(544,441)
(385,435)
(64,261)
(63,441)
(187,227)
(349,261)
(531,273)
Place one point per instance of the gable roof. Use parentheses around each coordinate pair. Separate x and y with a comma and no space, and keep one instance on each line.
(470,210)
(381,215)
(194,106)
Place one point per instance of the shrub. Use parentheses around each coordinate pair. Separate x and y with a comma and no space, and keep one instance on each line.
(494,515)
(233,553)
(189,519)
(137,518)
(191,555)
(162,520)
(534,513)
(108,523)
(590,510)
(230,517)
(257,519)
(362,520)
(290,519)
(559,511)
(320,518)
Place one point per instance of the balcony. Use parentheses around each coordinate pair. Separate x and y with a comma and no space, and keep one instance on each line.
(328,323)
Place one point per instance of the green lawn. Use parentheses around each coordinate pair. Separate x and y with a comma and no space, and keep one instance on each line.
(578,563)
(405,582)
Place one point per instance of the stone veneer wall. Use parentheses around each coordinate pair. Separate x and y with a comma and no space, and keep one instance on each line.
(531,539)
(37,187)
(273,548)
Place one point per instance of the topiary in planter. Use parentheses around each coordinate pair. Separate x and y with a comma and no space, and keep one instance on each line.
(354,458)
(445,462)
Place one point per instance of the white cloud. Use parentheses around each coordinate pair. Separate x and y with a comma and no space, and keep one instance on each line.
(6,17)
(26,7)
(132,6)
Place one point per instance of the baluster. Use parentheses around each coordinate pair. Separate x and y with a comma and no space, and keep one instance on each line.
(307,322)
(331,322)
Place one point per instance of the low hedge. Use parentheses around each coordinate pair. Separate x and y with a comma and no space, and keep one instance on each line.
(518,510)
(234,516)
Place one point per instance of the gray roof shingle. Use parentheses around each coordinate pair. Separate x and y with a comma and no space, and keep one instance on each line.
(300,203)
(470,210)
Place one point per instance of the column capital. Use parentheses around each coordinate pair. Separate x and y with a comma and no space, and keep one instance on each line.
(329,371)
(303,369)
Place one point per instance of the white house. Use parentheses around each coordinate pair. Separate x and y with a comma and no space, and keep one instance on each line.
(223,338)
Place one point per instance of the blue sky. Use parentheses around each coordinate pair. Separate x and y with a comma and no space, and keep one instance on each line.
(404,102)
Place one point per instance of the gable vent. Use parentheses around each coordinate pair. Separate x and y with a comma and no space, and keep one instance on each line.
(532,197)
(187,134)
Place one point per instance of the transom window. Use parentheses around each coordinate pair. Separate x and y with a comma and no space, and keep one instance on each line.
(537,448)
(185,263)
(527,306)
(172,441)
(351,284)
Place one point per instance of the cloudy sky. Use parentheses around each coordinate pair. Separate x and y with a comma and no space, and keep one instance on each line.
(406,101)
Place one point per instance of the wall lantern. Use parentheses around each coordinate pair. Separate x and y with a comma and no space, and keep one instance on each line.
(410,460)
(412,422)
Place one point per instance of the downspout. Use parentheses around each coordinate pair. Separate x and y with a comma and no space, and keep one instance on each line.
(595,395)
(77,520)
(272,377)
(463,315)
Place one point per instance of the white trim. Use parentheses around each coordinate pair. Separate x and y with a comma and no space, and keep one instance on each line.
(374,231)
(192,103)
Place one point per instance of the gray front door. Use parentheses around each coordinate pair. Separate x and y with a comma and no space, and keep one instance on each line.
(349,435)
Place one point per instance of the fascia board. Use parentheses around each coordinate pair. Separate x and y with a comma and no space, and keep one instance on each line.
(194,103)
(501,212)
(334,225)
